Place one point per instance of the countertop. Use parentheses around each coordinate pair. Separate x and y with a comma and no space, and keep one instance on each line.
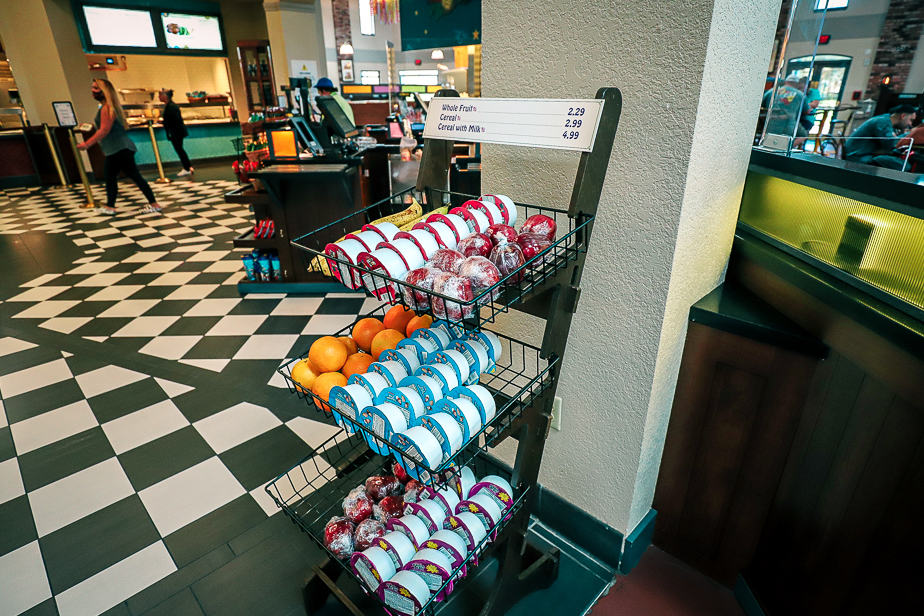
(214,122)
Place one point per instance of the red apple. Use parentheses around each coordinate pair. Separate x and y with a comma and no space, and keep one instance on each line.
(338,537)
(477,244)
(400,473)
(457,287)
(378,488)
(532,245)
(357,506)
(481,272)
(507,258)
(501,232)
(541,224)
(367,532)
(422,277)
(388,508)
(447,260)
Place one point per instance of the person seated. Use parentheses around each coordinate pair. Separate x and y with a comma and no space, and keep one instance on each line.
(873,141)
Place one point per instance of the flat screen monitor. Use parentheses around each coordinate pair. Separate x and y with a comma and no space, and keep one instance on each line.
(417,126)
(334,117)
(395,131)
(184,31)
(307,136)
(109,27)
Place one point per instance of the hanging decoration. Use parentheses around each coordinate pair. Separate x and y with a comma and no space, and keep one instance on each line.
(386,10)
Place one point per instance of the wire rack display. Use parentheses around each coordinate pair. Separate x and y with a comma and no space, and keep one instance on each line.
(520,376)
(484,306)
(312,492)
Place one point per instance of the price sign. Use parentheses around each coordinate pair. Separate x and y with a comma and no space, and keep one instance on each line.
(64,113)
(541,123)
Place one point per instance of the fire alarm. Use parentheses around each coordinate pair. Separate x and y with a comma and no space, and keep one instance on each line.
(417,62)
(824,39)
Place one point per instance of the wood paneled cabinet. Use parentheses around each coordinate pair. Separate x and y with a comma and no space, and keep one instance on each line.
(256,63)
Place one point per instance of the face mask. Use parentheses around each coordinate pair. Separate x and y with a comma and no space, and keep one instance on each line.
(98,95)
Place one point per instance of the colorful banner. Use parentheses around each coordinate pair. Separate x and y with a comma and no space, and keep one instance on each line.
(426,24)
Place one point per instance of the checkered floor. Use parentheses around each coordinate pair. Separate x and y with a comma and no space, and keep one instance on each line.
(132,461)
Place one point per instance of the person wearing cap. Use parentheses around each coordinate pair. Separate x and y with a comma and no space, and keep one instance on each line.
(326,88)
(812,98)
(873,141)
(786,110)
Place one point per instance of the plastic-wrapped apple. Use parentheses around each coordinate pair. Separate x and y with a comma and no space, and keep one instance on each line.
(388,508)
(338,537)
(367,532)
(400,473)
(457,287)
(412,491)
(481,272)
(422,277)
(477,244)
(356,505)
(533,244)
(501,232)
(447,260)
(508,256)
(378,488)
(541,224)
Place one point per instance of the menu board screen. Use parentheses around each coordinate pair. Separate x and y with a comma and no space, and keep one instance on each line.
(109,27)
(184,31)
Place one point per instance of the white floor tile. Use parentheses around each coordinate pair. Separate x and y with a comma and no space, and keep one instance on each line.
(102,232)
(117,583)
(264,500)
(10,480)
(266,346)
(154,241)
(173,279)
(235,425)
(312,432)
(46,310)
(158,267)
(114,293)
(94,267)
(209,255)
(297,306)
(105,379)
(213,307)
(215,365)
(145,327)
(3,420)
(23,581)
(170,347)
(237,325)
(146,256)
(298,484)
(265,296)
(35,432)
(144,426)
(101,280)
(172,388)
(76,496)
(277,379)
(187,496)
(116,241)
(38,294)
(10,345)
(65,325)
(32,378)
(35,282)
(370,304)
(192,291)
(97,338)
(128,308)
(225,266)
(327,324)
(196,248)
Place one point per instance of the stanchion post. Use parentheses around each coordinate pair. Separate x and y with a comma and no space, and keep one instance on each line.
(160,167)
(54,155)
(80,169)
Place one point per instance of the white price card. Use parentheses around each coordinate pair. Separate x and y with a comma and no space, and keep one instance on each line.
(541,123)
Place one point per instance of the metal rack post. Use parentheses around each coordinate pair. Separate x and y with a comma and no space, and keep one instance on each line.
(83,172)
(160,167)
(54,155)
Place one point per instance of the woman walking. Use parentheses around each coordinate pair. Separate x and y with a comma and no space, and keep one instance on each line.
(112,136)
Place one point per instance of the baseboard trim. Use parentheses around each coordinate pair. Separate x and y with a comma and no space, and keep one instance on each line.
(598,538)
(19,181)
(637,542)
(746,598)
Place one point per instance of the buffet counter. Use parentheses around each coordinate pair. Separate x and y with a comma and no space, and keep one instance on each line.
(206,139)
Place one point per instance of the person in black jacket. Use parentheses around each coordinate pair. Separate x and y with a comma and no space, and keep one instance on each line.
(175,129)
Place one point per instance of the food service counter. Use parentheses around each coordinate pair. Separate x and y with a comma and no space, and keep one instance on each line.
(206,139)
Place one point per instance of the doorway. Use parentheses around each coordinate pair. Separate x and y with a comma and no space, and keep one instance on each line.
(828,74)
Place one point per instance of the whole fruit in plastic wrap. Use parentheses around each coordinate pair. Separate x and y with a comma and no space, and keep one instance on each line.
(356,505)
(475,245)
(533,244)
(388,508)
(412,491)
(367,532)
(378,488)
(541,224)
(338,537)
(400,473)
(457,287)
(501,232)
(481,272)
(422,277)
(447,260)
(508,257)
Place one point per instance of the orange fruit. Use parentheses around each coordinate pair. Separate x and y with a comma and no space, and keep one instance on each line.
(349,343)
(365,330)
(424,320)
(324,383)
(328,354)
(385,339)
(304,374)
(397,318)
(357,363)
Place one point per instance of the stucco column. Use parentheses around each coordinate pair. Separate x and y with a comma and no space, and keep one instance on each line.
(296,33)
(691,75)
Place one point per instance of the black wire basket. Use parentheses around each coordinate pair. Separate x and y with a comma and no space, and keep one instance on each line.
(519,377)
(312,492)
(572,238)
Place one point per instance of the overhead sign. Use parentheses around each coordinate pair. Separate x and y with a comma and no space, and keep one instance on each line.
(542,123)
(304,68)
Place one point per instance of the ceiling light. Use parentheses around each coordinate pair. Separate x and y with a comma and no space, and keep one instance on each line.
(437,54)
(346,49)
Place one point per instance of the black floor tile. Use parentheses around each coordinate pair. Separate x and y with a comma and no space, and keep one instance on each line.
(281,324)
(125,346)
(117,610)
(277,524)
(95,542)
(191,326)
(124,268)
(211,531)
(64,457)
(191,266)
(302,344)
(225,291)
(216,347)
(88,309)
(261,459)
(164,457)
(180,579)
(139,278)
(40,400)
(7,449)
(48,607)
(159,292)
(82,363)
(341,305)
(76,293)
(249,371)
(17,524)
(28,358)
(102,327)
(170,308)
(181,604)
(211,278)
(255,306)
(126,399)
(204,402)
